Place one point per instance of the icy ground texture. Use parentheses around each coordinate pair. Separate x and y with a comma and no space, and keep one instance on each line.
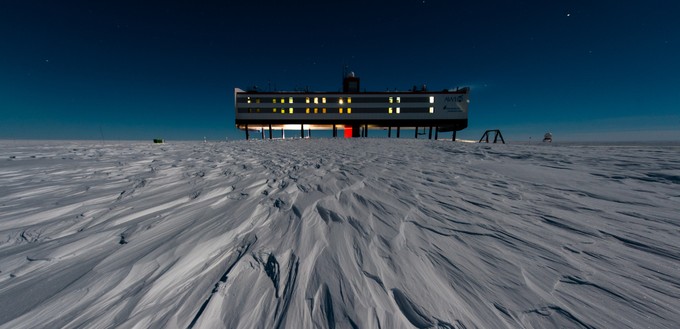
(339,234)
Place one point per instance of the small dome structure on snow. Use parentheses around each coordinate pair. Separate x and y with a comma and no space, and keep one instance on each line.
(547,137)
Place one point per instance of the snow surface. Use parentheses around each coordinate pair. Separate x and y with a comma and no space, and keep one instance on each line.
(321,233)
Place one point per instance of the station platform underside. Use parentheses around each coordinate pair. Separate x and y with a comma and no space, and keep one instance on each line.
(352,128)
(442,125)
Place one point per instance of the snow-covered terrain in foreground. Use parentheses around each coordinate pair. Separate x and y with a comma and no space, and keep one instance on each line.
(355,233)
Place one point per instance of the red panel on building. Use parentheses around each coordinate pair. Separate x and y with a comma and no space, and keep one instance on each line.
(348,131)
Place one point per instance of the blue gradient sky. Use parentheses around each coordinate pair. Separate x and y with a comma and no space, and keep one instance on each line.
(584,70)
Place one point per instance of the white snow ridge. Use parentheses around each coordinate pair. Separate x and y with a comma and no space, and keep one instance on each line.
(360,233)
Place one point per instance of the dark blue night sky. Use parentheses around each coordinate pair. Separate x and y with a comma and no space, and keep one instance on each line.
(584,70)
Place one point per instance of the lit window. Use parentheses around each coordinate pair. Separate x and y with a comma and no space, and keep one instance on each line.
(340,100)
(248,100)
(323,110)
(431,109)
(323,100)
(274,110)
(290,110)
(391,100)
(398,99)
(290,100)
(389,110)
(340,110)
(431,99)
(257,101)
(398,109)
(349,100)
(349,110)
(316,110)
(283,111)
(307,100)
(274,100)
(282,100)
(316,100)
(307,110)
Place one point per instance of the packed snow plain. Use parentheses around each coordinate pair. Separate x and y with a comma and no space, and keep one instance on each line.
(323,233)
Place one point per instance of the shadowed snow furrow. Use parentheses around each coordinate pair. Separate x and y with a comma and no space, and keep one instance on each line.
(418,317)
(361,233)
(231,261)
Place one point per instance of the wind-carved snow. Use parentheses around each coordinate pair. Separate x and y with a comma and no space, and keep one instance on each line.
(339,234)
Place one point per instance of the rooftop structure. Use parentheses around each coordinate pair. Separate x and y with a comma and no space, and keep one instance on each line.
(352,110)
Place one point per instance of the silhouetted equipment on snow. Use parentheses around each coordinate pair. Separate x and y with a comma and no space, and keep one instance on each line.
(547,138)
(485,136)
(352,110)
(158,141)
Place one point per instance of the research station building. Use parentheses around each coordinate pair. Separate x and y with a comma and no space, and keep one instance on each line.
(353,111)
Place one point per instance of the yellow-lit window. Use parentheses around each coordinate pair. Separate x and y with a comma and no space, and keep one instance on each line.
(316,110)
(307,100)
(316,100)
(274,100)
(340,101)
(248,100)
(283,111)
(307,110)
(323,110)
(398,99)
(340,110)
(290,110)
(431,109)
(349,100)
(431,99)
(398,110)
(283,100)
(290,100)
(389,110)
(274,110)
(323,100)
(391,100)
(349,110)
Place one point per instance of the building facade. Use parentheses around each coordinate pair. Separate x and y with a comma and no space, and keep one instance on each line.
(351,110)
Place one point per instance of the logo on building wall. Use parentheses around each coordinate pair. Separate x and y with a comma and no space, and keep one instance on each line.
(452,103)
(452,108)
(455,99)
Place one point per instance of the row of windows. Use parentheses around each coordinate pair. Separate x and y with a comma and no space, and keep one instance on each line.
(336,100)
(316,110)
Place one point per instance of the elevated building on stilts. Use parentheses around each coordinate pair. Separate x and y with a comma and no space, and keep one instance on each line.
(352,111)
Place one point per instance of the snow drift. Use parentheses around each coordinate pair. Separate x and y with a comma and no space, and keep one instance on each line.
(370,233)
